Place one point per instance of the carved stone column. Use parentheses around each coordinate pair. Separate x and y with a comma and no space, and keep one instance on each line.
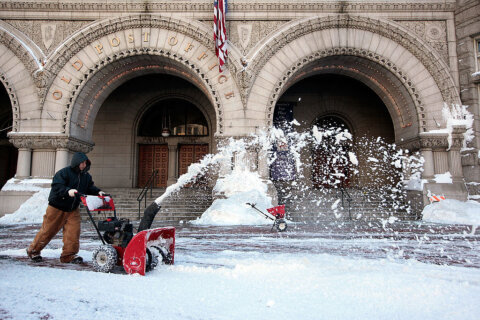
(172,164)
(38,152)
(43,163)
(428,165)
(24,162)
(263,169)
(454,157)
(433,148)
(61,159)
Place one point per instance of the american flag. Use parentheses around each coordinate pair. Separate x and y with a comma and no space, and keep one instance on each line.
(220,32)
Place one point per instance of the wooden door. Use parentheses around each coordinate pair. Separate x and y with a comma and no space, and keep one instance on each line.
(331,168)
(153,157)
(188,154)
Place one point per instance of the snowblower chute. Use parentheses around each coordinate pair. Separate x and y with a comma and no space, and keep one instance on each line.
(137,254)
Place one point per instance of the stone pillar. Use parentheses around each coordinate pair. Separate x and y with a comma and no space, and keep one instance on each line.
(454,157)
(428,165)
(263,169)
(61,159)
(50,152)
(441,161)
(43,163)
(24,163)
(172,164)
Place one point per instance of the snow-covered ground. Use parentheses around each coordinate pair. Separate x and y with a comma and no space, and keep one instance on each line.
(230,265)
(332,271)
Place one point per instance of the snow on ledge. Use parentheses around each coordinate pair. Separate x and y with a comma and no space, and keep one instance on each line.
(26,185)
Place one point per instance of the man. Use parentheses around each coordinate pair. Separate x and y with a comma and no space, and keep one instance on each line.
(63,210)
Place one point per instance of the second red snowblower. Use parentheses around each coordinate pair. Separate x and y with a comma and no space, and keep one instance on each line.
(277,214)
(137,253)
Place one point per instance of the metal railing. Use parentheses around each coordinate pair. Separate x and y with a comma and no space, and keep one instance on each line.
(148,186)
(346,195)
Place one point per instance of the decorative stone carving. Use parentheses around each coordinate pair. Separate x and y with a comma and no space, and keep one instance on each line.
(39,141)
(433,141)
(432,32)
(406,120)
(188,64)
(436,67)
(246,6)
(246,35)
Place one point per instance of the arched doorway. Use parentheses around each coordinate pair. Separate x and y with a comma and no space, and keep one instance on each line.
(8,153)
(176,121)
(335,100)
(128,131)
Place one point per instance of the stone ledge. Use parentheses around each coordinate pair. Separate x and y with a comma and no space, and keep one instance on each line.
(10,201)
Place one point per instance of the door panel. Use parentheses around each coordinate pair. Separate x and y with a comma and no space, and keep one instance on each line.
(152,157)
(188,154)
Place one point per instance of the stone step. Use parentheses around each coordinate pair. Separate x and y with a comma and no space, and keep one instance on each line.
(187,204)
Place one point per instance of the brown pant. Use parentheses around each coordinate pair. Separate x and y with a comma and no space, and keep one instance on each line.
(54,220)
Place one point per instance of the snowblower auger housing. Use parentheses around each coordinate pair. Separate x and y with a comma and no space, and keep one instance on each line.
(277,214)
(137,253)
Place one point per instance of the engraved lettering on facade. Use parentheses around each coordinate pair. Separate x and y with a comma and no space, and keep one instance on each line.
(222,79)
(99,48)
(115,42)
(189,47)
(78,65)
(57,94)
(66,80)
(202,56)
(173,41)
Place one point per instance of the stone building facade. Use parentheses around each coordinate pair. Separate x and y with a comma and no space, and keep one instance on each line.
(82,75)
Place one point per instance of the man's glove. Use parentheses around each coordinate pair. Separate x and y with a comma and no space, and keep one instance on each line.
(101,193)
(72,192)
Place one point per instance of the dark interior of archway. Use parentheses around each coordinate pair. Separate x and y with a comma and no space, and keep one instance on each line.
(8,153)
(332,94)
(180,117)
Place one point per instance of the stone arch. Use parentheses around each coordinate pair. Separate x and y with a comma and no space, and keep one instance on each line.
(419,68)
(107,43)
(31,56)
(392,86)
(21,88)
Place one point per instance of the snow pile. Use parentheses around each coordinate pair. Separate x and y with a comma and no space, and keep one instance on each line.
(452,211)
(26,184)
(240,187)
(31,211)
(443,178)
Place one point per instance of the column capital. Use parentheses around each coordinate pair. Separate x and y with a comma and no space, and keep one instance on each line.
(48,141)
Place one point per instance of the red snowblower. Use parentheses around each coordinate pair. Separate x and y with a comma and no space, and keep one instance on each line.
(138,254)
(277,214)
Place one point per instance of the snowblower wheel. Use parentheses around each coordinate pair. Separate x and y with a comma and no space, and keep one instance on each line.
(104,258)
(151,261)
(281,224)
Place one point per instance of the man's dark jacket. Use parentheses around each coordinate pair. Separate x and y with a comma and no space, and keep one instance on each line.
(71,178)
